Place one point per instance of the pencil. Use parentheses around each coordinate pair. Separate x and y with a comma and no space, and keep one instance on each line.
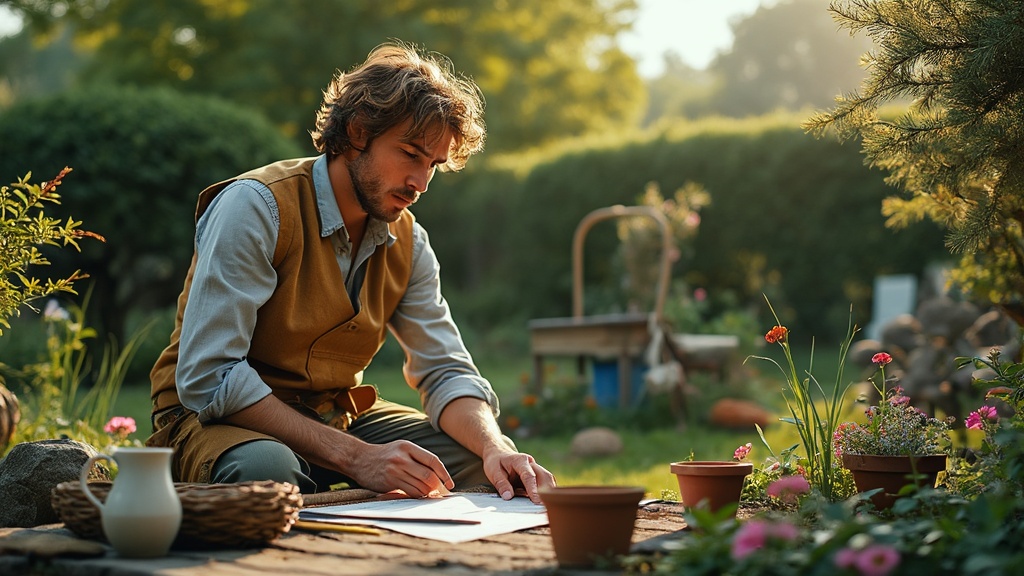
(330,527)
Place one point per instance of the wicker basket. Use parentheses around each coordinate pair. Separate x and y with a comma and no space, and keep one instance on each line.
(241,515)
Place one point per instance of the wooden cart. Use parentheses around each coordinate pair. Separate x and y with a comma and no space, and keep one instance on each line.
(626,336)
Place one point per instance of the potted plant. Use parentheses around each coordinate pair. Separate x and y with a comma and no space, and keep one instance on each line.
(898,445)
(815,409)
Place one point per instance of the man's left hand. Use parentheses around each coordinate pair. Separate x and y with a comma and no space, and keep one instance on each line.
(506,468)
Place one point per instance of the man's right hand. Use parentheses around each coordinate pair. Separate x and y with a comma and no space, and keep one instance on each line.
(378,467)
(402,465)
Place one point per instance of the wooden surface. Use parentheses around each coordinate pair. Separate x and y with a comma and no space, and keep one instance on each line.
(52,549)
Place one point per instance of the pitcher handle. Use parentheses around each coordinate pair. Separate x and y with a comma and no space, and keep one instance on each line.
(83,478)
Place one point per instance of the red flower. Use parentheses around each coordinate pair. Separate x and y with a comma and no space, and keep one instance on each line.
(882,358)
(776,334)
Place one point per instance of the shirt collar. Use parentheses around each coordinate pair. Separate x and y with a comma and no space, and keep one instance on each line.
(377,231)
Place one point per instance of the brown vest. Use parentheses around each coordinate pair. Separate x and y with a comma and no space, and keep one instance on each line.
(307,336)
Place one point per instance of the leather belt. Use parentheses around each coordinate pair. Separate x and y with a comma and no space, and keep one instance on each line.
(337,408)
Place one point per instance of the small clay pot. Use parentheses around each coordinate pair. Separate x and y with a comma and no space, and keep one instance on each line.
(591,523)
(719,483)
(892,473)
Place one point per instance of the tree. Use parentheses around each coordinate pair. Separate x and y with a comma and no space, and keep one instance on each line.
(785,56)
(681,91)
(548,68)
(956,151)
(141,157)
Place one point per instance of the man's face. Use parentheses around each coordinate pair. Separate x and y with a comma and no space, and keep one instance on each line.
(394,169)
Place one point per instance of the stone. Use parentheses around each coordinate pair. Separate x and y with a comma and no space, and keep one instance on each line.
(737,413)
(47,543)
(596,441)
(30,472)
(901,335)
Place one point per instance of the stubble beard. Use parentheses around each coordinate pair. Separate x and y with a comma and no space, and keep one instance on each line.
(367,187)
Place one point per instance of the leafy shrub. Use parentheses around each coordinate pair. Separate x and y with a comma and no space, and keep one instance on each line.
(141,157)
(25,227)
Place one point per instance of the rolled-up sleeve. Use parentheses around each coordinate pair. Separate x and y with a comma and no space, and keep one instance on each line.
(438,364)
(234,276)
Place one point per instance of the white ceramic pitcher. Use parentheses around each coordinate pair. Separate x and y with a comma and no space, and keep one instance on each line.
(143,511)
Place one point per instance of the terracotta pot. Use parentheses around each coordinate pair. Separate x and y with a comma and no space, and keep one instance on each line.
(892,473)
(591,523)
(720,483)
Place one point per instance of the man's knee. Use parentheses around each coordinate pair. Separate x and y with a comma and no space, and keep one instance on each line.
(258,460)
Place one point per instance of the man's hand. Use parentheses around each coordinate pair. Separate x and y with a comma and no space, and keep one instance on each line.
(379,467)
(504,468)
(403,465)
(470,422)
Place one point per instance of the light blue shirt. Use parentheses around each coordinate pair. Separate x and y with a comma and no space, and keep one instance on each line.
(235,241)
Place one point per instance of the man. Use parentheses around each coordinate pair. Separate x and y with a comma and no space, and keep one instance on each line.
(299,268)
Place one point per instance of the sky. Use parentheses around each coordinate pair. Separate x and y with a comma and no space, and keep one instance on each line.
(694,29)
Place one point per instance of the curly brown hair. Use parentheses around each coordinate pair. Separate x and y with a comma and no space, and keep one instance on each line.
(395,83)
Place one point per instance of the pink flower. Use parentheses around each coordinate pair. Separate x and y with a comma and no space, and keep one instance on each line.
(846,558)
(976,420)
(877,560)
(899,400)
(882,358)
(788,488)
(749,538)
(120,426)
(700,294)
(741,452)
(755,534)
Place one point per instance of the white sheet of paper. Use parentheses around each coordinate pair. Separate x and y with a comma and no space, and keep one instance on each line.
(496,516)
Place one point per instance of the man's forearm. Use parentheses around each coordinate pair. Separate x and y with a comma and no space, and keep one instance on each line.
(471,423)
(318,443)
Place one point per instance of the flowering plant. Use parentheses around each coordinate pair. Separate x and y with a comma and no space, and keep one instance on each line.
(993,468)
(120,427)
(894,427)
(814,411)
(779,482)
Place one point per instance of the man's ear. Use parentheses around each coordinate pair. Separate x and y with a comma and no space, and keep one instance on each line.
(357,135)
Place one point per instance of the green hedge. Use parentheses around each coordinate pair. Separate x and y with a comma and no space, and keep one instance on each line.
(139,160)
(791,216)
